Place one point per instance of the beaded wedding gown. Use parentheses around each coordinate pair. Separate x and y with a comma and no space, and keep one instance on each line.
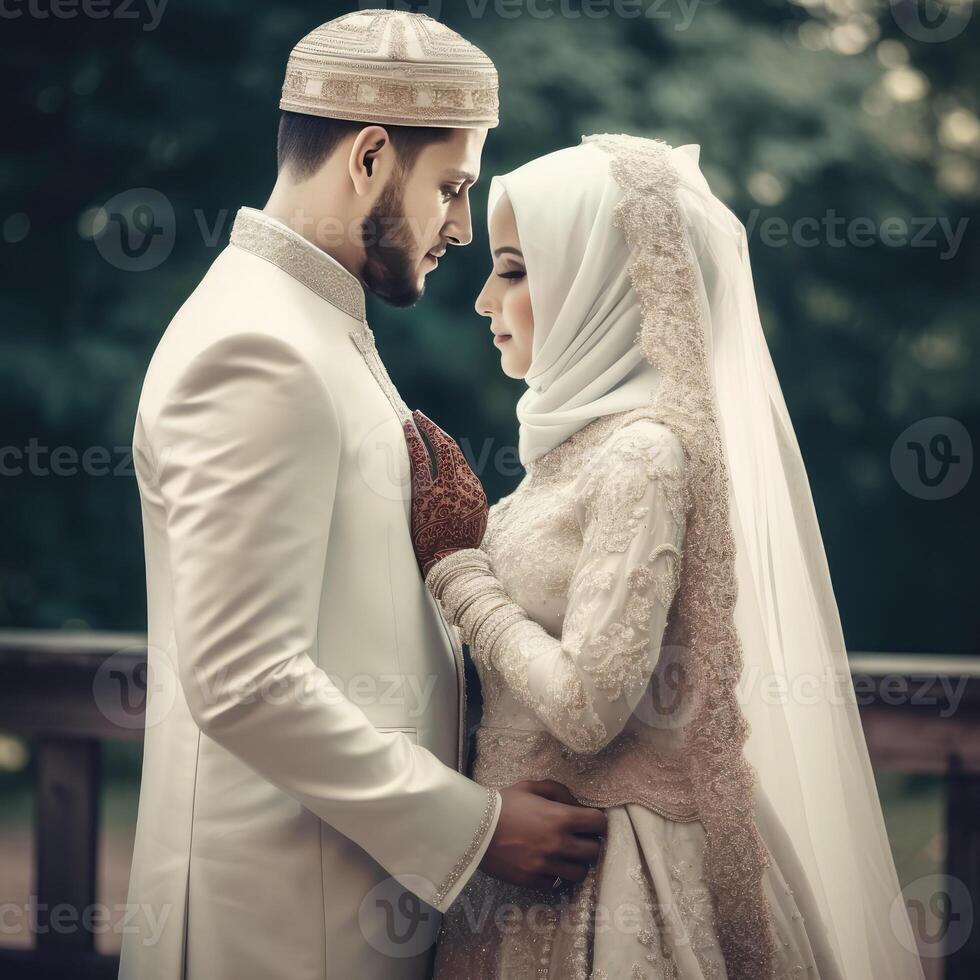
(644,911)
(652,616)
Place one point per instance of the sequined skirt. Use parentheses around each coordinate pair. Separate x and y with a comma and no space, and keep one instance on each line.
(643,912)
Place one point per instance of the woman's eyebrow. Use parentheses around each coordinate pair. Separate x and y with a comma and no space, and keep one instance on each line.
(507,248)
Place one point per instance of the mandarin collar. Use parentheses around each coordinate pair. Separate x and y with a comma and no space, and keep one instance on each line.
(276,242)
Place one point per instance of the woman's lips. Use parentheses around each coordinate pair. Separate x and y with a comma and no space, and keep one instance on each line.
(501,338)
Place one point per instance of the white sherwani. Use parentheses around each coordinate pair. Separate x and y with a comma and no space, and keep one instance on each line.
(301,790)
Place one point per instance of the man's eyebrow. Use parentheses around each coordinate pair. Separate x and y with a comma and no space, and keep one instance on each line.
(505,249)
(463,175)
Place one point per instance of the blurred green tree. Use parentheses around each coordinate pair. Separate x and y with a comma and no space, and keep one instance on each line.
(817,114)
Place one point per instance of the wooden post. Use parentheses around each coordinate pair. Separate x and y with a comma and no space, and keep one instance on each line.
(962,960)
(66,825)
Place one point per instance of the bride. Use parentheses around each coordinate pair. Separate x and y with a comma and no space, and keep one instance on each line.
(650,612)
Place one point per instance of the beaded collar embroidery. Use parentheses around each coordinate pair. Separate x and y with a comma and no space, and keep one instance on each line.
(275,242)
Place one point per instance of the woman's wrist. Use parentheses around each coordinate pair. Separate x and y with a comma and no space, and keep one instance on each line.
(472,598)
(452,565)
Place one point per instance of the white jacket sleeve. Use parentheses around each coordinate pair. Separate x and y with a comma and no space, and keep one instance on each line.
(585,685)
(246,448)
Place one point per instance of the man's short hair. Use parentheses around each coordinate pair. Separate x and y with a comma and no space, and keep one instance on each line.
(305,142)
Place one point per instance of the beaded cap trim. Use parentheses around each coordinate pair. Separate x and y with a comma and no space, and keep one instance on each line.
(394,68)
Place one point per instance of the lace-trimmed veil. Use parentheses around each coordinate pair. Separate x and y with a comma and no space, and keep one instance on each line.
(775,717)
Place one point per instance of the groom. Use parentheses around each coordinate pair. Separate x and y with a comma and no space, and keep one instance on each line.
(302,809)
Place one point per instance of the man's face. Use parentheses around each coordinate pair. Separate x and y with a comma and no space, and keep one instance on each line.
(419,214)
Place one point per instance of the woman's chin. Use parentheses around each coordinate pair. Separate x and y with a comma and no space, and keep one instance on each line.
(517,372)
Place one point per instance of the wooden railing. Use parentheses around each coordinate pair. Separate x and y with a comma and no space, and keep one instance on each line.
(47,685)
(53,690)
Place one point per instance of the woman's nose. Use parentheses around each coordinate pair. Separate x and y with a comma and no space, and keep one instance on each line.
(484,305)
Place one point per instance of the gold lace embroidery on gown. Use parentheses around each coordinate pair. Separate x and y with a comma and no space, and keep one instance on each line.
(619,581)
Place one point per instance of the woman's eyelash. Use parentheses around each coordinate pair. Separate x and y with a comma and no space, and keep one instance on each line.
(516,274)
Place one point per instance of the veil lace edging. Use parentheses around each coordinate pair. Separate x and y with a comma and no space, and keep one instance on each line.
(672,338)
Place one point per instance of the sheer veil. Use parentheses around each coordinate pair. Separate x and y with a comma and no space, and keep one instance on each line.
(777,753)
(805,741)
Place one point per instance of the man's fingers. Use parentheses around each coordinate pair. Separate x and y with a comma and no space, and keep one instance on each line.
(583,850)
(550,789)
(587,820)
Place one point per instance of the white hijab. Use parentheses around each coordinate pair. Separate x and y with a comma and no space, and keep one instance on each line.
(585,361)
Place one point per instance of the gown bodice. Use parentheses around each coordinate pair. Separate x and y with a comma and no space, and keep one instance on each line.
(589,545)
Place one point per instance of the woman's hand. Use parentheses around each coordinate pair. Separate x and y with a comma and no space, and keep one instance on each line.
(449,507)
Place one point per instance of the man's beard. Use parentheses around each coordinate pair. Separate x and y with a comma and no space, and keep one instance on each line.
(389,246)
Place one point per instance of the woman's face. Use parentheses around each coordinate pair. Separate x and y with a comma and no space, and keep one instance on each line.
(505,297)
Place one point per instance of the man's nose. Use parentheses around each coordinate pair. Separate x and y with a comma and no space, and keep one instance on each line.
(460,228)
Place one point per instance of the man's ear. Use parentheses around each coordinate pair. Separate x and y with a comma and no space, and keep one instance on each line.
(370,158)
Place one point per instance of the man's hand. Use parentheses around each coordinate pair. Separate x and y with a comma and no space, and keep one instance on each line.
(542,834)
(449,507)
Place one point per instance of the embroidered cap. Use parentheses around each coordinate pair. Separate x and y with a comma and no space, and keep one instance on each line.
(394,68)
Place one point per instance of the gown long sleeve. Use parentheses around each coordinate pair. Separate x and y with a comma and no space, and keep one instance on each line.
(585,684)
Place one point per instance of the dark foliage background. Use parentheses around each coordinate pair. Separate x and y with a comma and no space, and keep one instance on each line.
(802,112)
